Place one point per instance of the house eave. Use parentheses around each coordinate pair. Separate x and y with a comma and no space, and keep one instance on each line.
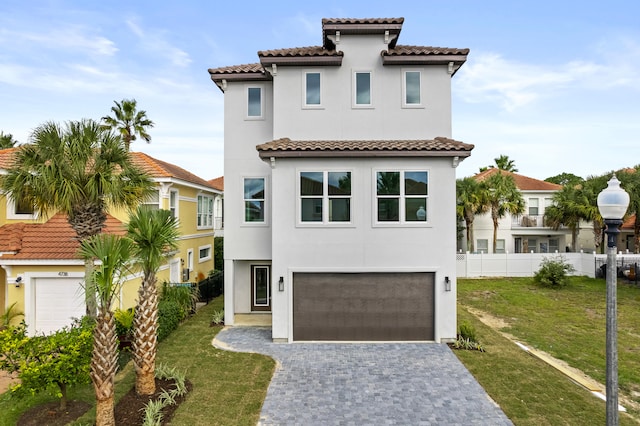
(356,154)
(322,60)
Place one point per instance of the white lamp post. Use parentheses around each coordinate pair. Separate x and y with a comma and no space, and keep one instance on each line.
(612,204)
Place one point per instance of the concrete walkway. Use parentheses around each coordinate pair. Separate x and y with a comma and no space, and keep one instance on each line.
(365,383)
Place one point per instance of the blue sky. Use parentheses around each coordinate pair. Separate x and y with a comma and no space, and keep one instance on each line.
(555,85)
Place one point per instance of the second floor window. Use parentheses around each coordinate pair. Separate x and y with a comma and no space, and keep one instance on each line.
(254,102)
(312,89)
(325,197)
(362,83)
(402,196)
(412,88)
(205,211)
(173,203)
(533,207)
(254,194)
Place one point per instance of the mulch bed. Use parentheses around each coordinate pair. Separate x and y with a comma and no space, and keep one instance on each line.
(128,411)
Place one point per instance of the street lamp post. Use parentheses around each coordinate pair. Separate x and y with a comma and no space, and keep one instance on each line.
(612,204)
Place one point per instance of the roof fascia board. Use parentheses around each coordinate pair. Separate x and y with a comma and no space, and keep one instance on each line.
(355,154)
(301,60)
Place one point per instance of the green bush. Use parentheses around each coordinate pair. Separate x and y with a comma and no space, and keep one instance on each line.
(468,332)
(184,296)
(124,322)
(169,316)
(554,272)
(218,253)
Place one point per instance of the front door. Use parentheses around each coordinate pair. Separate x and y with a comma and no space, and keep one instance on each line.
(260,288)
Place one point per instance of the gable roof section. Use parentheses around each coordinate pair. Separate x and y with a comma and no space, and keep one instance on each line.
(161,169)
(331,26)
(523,183)
(6,157)
(54,239)
(312,55)
(217,183)
(437,147)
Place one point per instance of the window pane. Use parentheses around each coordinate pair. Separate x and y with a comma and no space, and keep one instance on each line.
(363,88)
(261,286)
(412,87)
(388,209)
(311,209)
(339,210)
(311,183)
(313,88)
(254,211)
(339,183)
(254,189)
(254,104)
(415,209)
(415,183)
(388,183)
(23,207)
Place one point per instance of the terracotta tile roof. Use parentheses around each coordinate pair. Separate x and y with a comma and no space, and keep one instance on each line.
(161,169)
(629,224)
(238,69)
(6,157)
(54,239)
(285,147)
(359,21)
(217,183)
(523,183)
(299,51)
(424,50)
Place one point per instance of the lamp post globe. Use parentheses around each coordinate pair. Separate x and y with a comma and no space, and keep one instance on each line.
(612,204)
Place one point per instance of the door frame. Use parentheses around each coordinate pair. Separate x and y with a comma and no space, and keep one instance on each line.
(255,306)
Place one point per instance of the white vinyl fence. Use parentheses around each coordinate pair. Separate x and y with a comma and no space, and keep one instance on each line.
(473,265)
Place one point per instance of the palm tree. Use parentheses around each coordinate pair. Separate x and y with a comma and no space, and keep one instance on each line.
(155,234)
(503,163)
(591,187)
(630,179)
(80,170)
(112,252)
(503,196)
(570,206)
(7,140)
(471,200)
(128,122)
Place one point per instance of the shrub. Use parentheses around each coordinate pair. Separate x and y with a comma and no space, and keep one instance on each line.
(10,313)
(218,317)
(468,331)
(169,317)
(184,296)
(124,322)
(554,272)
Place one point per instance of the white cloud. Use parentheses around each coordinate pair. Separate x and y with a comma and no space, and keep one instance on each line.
(69,39)
(156,43)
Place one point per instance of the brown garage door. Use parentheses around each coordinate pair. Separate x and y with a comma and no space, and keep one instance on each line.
(363,306)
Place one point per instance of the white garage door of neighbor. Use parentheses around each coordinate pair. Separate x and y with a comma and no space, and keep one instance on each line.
(57,302)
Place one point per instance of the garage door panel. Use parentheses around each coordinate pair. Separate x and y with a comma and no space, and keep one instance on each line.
(363,306)
(57,302)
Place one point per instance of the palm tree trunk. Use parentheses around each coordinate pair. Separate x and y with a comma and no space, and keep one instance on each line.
(89,289)
(104,362)
(495,233)
(145,336)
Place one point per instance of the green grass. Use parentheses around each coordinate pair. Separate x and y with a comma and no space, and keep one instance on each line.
(569,324)
(228,387)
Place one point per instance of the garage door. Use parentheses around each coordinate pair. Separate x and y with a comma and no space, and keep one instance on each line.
(363,306)
(57,301)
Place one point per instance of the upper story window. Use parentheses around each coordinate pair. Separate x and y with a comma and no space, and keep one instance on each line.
(362,88)
(205,211)
(533,206)
(173,203)
(254,199)
(255,102)
(325,197)
(402,196)
(152,201)
(19,210)
(312,89)
(411,88)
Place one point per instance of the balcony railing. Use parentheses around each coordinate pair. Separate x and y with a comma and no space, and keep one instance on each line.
(528,221)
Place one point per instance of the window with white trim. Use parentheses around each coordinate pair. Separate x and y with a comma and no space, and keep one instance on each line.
(411,89)
(173,203)
(19,210)
(500,246)
(482,246)
(255,102)
(254,200)
(362,89)
(325,197)
(533,206)
(190,259)
(205,211)
(152,201)
(204,253)
(401,196)
(312,89)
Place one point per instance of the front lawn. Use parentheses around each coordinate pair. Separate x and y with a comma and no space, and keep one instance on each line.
(569,324)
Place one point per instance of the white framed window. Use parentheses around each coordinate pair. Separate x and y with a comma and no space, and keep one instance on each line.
(500,246)
(532,245)
(204,253)
(205,212)
(255,102)
(482,246)
(312,90)
(19,210)
(173,203)
(534,206)
(362,92)
(411,89)
(402,196)
(190,259)
(554,245)
(324,197)
(254,200)
(152,201)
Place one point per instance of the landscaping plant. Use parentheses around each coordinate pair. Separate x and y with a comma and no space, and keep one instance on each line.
(554,272)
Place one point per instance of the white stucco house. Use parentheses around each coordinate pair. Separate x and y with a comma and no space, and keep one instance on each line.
(523,233)
(340,193)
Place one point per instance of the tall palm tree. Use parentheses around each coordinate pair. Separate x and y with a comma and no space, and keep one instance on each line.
(570,206)
(471,200)
(128,122)
(7,140)
(630,179)
(155,234)
(80,170)
(503,196)
(112,252)
(504,163)
(591,187)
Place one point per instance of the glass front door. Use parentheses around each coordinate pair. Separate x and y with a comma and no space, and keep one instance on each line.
(260,288)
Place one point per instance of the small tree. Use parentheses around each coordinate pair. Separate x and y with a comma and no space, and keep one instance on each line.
(62,358)
(554,272)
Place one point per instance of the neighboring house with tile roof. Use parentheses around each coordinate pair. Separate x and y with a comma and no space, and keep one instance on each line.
(39,268)
(340,187)
(523,233)
(218,206)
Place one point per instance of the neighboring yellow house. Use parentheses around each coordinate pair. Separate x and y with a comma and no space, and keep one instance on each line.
(39,268)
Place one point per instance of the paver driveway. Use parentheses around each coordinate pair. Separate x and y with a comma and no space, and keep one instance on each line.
(365,383)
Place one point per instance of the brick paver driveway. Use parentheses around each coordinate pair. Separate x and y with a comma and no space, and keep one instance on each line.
(365,383)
